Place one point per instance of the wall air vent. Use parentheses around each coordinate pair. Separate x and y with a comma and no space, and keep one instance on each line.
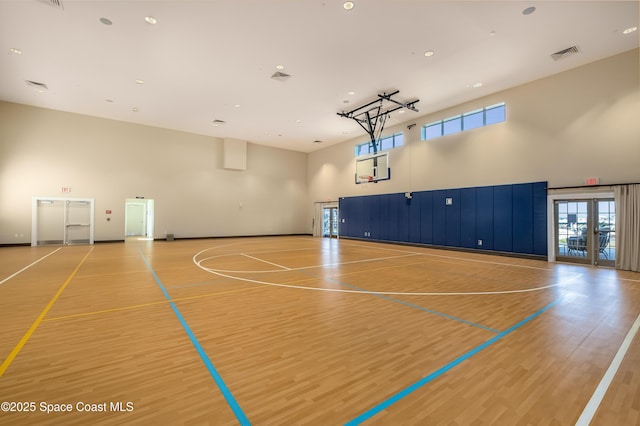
(280,76)
(40,87)
(569,51)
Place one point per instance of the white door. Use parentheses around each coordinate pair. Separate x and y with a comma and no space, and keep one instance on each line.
(136,219)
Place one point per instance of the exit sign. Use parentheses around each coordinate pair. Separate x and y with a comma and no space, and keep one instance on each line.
(592,181)
(65,189)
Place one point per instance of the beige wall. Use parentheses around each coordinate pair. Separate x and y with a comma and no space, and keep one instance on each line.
(561,129)
(43,150)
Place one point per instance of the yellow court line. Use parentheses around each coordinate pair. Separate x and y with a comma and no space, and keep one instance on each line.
(123,308)
(38,320)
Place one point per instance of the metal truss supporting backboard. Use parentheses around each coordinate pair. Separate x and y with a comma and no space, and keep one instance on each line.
(373,115)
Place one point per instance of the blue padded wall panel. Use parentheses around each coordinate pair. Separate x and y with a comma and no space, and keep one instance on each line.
(439,218)
(452,237)
(415,213)
(403,216)
(344,215)
(394,218)
(509,218)
(540,218)
(375,218)
(523,218)
(503,218)
(356,226)
(484,217)
(383,218)
(468,218)
(366,215)
(426,217)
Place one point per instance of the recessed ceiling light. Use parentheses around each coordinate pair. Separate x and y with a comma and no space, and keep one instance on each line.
(280,67)
(106,21)
(492,33)
(351,93)
(14,51)
(476,85)
(348,5)
(135,109)
(139,81)
(630,30)
(429,53)
(298,121)
(150,20)
(237,105)
(529,10)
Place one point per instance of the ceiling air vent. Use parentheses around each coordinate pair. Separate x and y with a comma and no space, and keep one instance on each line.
(565,53)
(40,87)
(54,3)
(280,76)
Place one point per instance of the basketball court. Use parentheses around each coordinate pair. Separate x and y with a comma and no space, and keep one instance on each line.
(302,330)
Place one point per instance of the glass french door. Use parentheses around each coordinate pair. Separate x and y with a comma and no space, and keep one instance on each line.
(330,222)
(585,231)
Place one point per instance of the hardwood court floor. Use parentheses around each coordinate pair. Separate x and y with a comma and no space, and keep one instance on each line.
(297,330)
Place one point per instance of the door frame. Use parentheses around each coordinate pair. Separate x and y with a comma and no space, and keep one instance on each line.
(149,215)
(551,214)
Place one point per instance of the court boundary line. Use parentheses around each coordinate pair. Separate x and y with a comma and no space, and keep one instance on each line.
(213,372)
(25,338)
(599,393)
(28,266)
(442,370)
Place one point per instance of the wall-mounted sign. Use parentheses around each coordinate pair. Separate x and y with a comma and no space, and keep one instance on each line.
(592,181)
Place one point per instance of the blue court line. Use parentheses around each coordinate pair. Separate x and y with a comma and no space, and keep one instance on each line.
(411,305)
(203,355)
(439,372)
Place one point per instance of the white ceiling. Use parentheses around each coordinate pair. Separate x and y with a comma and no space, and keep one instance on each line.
(202,58)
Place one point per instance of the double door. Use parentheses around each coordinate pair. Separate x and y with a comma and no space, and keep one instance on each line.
(62,221)
(586,231)
(330,222)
